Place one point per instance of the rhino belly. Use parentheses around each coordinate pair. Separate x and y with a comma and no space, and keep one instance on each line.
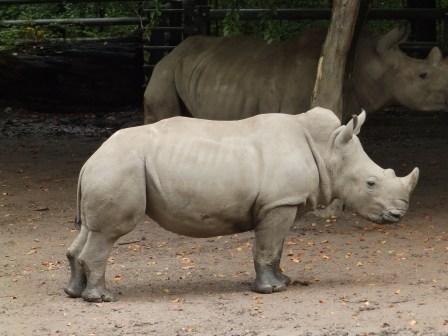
(193,218)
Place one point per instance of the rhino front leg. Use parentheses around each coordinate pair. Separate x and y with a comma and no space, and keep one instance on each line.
(77,281)
(270,234)
(277,271)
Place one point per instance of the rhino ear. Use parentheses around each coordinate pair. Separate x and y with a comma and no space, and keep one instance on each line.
(392,39)
(346,132)
(360,121)
(434,56)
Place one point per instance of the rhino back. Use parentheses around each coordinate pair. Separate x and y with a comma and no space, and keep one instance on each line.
(237,77)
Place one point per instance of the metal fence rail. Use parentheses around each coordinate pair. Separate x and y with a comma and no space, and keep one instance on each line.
(181,18)
(41,2)
(325,14)
(245,14)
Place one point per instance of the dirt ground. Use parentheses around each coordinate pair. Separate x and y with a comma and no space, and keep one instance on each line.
(351,277)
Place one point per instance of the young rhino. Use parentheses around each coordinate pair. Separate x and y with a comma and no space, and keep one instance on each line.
(204,178)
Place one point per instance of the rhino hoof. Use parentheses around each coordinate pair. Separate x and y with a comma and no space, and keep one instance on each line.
(286,280)
(265,288)
(73,291)
(97,295)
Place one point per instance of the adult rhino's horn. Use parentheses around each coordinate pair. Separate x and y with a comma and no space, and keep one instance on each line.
(359,122)
(435,56)
(392,39)
(411,180)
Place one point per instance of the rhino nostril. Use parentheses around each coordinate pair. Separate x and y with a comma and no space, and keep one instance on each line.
(392,215)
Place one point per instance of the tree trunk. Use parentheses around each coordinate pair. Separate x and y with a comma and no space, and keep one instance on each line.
(329,85)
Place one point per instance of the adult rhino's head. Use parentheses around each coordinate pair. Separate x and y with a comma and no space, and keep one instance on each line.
(375,193)
(418,84)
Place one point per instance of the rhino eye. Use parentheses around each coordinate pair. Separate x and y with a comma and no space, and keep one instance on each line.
(423,75)
(371,184)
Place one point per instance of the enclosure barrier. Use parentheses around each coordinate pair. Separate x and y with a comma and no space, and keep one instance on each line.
(189,17)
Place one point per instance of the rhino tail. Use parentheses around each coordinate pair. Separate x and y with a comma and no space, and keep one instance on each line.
(78,200)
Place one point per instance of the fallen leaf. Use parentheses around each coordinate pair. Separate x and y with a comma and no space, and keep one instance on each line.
(41,209)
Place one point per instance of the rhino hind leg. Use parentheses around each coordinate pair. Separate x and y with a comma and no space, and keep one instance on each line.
(93,259)
(77,281)
(270,234)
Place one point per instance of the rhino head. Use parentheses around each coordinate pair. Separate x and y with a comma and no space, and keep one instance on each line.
(375,193)
(392,77)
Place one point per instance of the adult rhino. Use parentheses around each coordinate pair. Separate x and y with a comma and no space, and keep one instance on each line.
(229,78)
(203,178)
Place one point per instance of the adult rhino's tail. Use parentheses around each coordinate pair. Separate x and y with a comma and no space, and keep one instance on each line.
(78,200)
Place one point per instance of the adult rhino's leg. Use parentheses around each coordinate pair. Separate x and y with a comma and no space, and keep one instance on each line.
(77,281)
(270,234)
(161,100)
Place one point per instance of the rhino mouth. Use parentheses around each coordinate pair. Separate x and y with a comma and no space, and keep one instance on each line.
(392,216)
(388,216)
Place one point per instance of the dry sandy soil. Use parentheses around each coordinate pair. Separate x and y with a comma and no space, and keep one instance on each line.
(351,277)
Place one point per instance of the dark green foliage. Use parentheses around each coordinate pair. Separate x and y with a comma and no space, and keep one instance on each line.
(12,35)
(265,27)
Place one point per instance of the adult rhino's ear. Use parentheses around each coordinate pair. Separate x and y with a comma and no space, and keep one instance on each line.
(392,39)
(434,56)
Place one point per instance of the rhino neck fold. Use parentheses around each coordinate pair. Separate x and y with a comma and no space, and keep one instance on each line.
(324,193)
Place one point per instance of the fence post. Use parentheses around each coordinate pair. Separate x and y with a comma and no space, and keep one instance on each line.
(203,18)
(196,17)
(189,8)
(175,20)
(423,30)
(444,40)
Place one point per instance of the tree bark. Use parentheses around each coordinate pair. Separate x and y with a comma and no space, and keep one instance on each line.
(329,85)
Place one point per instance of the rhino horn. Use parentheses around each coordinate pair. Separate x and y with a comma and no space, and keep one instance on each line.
(392,39)
(359,122)
(410,181)
(434,56)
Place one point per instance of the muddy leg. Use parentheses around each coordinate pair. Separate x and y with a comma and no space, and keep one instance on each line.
(77,281)
(269,237)
(93,259)
(277,271)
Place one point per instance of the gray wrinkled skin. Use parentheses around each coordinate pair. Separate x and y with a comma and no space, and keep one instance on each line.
(203,178)
(230,78)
